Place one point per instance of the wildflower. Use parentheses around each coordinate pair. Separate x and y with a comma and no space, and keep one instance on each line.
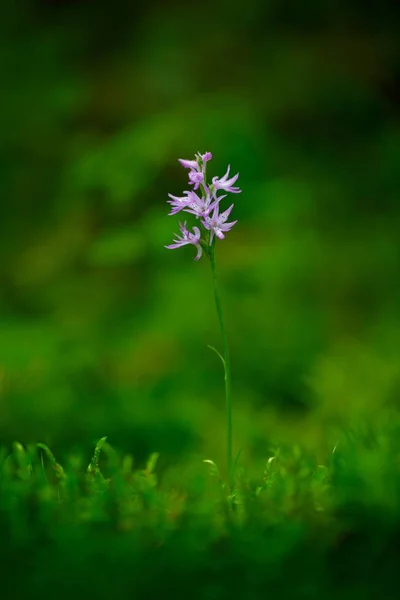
(216,223)
(179,203)
(200,206)
(203,205)
(187,238)
(196,178)
(226,184)
(197,168)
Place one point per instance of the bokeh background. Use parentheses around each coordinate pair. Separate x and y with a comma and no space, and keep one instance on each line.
(102,330)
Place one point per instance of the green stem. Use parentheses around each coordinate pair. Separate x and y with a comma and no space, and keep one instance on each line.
(227,367)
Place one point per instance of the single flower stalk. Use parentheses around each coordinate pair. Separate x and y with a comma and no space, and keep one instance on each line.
(205,206)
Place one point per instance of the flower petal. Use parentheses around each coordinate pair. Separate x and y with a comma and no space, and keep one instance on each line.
(223,216)
(199,252)
(189,164)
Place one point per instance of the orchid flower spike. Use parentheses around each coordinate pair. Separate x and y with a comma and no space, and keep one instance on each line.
(204,205)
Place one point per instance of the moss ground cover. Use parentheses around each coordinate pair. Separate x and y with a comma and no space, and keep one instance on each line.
(104,526)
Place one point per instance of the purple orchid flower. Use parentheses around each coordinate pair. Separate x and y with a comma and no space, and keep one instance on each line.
(196,178)
(200,206)
(179,203)
(188,238)
(216,224)
(197,168)
(226,184)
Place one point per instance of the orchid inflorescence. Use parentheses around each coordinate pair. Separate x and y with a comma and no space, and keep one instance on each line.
(202,202)
(204,205)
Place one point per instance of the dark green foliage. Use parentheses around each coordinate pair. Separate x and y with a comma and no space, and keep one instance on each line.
(301,529)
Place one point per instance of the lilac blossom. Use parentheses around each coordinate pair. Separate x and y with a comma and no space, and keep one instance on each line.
(187,238)
(226,184)
(216,223)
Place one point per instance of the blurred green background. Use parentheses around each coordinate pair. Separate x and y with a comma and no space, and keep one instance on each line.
(102,330)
